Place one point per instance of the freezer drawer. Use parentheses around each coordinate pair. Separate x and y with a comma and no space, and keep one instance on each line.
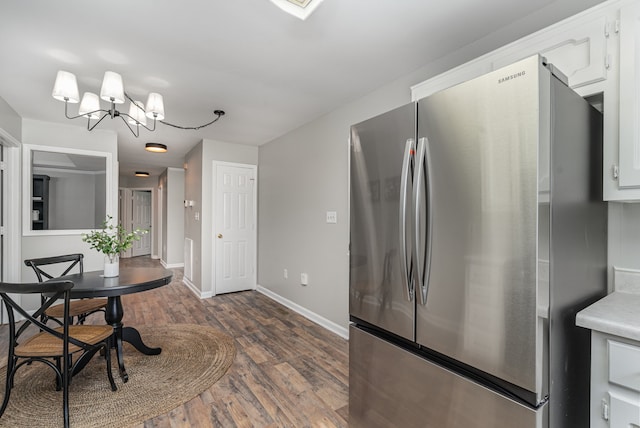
(391,387)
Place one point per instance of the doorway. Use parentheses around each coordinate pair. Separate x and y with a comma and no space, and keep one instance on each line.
(136,212)
(142,220)
(235,227)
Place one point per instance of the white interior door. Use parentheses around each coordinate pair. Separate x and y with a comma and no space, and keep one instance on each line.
(235,230)
(142,220)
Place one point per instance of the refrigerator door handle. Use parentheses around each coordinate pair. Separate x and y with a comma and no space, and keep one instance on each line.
(409,152)
(422,244)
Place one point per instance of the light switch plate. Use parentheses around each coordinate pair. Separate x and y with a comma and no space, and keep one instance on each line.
(332,217)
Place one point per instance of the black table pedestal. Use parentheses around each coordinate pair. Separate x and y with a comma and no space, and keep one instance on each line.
(113,316)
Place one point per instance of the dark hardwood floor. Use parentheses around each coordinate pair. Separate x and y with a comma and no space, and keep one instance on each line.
(288,371)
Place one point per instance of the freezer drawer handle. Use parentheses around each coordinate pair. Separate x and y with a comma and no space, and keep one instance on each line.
(407,167)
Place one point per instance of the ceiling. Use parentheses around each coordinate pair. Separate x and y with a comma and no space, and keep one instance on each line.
(269,71)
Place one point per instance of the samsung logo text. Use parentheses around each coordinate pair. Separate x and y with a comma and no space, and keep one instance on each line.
(511,77)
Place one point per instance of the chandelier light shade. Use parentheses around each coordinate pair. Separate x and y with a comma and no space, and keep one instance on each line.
(89,106)
(112,88)
(155,106)
(136,113)
(155,147)
(66,87)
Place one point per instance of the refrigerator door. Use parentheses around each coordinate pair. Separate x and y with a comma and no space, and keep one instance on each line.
(391,387)
(482,175)
(380,290)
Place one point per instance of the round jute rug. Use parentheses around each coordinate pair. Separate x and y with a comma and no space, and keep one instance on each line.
(193,358)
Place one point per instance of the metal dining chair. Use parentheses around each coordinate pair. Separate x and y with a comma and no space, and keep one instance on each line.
(65,264)
(64,349)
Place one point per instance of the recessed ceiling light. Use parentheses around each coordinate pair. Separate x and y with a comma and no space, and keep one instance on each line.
(155,147)
(142,174)
(298,8)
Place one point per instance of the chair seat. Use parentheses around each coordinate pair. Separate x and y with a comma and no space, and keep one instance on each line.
(45,345)
(76,307)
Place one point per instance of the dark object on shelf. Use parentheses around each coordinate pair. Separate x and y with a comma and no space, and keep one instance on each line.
(40,202)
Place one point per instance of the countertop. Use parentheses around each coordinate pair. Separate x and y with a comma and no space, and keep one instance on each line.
(618,314)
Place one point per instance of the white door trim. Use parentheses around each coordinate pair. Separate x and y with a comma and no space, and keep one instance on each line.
(214,175)
(13,241)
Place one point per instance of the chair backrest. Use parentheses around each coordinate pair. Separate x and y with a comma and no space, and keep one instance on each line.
(72,260)
(54,290)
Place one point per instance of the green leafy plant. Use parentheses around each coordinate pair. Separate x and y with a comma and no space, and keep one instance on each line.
(112,240)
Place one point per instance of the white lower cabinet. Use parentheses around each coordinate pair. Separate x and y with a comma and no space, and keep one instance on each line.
(615,381)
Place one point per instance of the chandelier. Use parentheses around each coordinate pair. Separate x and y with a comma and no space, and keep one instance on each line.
(112,91)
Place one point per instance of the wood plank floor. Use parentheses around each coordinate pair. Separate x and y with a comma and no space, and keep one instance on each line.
(288,371)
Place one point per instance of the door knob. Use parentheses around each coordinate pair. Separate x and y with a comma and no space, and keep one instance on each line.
(219,235)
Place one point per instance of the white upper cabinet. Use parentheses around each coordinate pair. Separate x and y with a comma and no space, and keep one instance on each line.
(578,48)
(629,156)
(599,52)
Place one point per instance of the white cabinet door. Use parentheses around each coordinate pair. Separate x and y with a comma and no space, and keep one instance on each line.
(577,47)
(629,156)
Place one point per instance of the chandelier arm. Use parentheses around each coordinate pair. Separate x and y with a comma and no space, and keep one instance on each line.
(138,123)
(95,124)
(81,115)
(129,126)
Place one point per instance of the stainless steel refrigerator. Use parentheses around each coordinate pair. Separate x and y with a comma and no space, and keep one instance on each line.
(477,231)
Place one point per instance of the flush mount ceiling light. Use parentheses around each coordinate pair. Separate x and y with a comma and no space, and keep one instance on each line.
(298,8)
(142,174)
(66,89)
(155,147)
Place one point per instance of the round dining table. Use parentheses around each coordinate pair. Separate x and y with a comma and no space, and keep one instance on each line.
(130,280)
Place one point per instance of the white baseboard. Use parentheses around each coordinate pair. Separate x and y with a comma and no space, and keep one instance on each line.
(199,294)
(155,256)
(172,265)
(323,322)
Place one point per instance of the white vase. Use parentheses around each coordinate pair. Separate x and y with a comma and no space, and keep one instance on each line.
(111,265)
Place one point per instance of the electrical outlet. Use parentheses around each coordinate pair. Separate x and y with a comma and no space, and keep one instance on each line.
(285,274)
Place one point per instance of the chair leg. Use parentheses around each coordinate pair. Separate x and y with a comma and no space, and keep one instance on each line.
(8,385)
(66,374)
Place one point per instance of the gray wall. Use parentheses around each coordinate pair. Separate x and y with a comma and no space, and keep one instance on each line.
(172,183)
(74,205)
(10,121)
(192,227)
(624,235)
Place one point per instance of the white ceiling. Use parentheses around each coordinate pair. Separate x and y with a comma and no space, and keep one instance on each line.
(269,71)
